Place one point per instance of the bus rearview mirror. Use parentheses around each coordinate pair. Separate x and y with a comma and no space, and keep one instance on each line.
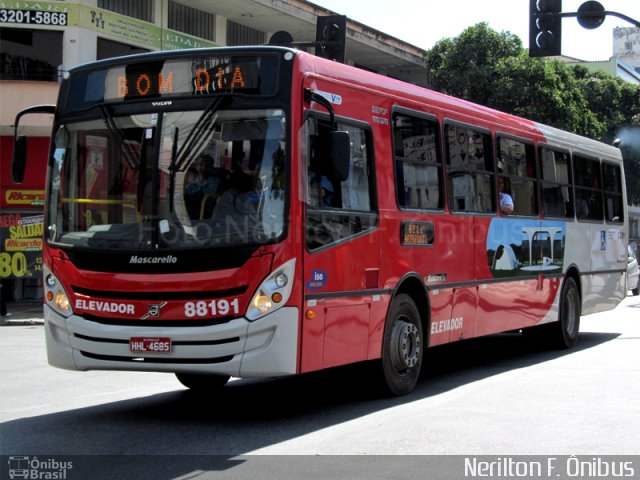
(19,161)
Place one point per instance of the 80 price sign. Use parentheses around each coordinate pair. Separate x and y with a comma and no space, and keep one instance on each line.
(14,265)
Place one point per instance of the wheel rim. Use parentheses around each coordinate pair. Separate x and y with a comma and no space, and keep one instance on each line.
(405,345)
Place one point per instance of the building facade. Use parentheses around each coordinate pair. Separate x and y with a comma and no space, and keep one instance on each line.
(626,45)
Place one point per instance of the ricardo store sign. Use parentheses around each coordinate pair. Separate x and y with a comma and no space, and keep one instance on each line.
(14,198)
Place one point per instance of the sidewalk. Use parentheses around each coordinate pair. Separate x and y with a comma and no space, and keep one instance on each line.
(23,313)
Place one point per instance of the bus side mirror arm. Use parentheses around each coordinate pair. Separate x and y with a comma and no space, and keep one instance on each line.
(340,141)
(19,161)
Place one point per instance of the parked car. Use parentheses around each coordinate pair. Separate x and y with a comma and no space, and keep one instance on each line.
(633,272)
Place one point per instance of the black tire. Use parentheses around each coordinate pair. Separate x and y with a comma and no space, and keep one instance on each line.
(562,334)
(636,291)
(402,346)
(565,330)
(202,382)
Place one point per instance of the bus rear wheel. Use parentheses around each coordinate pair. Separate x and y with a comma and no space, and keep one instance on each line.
(568,325)
(564,332)
(202,382)
(402,346)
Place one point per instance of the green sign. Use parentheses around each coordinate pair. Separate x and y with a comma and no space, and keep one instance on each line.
(108,24)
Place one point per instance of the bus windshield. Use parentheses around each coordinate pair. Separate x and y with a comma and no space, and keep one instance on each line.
(168,180)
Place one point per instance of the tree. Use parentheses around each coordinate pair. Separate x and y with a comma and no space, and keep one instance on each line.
(613,100)
(544,91)
(493,69)
(465,66)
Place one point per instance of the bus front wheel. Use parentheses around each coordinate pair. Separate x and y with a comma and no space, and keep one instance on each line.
(202,382)
(402,346)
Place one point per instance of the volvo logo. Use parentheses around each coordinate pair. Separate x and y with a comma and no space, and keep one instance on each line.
(154,310)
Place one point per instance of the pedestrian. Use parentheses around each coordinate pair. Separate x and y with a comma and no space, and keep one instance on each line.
(3,301)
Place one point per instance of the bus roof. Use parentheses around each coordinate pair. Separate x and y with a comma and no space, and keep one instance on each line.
(447,104)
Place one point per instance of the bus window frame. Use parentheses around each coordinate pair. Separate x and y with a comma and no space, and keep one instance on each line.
(577,187)
(373,185)
(542,181)
(604,162)
(530,146)
(429,117)
(482,130)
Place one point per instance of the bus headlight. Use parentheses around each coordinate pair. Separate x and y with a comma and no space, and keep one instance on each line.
(273,292)
(54,294)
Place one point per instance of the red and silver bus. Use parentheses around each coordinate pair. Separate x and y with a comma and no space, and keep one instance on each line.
(260,211)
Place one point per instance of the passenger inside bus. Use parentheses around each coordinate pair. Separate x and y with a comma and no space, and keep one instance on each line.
(320,190)
(239,200)
(202,186)
(506,201)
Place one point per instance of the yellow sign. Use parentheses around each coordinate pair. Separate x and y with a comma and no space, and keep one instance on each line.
(24,197)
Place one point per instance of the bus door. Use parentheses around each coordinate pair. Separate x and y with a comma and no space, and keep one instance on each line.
(341,259)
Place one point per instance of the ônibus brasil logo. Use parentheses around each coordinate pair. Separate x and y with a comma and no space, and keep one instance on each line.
(38,468)
(153,260)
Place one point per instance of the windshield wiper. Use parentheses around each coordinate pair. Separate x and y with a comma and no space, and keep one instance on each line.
(173,168)
(118,137)
(196,135)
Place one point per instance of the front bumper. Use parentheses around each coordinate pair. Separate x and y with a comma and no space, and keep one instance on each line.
(263,348)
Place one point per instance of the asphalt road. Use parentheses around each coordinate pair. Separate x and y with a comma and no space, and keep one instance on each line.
(494,396)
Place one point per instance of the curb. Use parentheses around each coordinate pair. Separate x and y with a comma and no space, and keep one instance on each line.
(20,323)
(23,314)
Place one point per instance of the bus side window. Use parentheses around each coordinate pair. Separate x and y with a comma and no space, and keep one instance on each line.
(336,209)
(417,162)
(614,207)
(470,174)
(555,172)
(517,169)
(588,188)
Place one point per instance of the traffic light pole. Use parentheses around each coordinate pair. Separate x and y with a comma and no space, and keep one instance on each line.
(604,13)
(545,23)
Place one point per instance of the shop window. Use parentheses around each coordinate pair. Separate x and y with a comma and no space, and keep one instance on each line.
(110,49)
(140,9)
(30,54)
(240,35)
(192,21)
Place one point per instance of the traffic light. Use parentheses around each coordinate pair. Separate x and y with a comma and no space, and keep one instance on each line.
(545,28)
(331,33)
(591,15)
